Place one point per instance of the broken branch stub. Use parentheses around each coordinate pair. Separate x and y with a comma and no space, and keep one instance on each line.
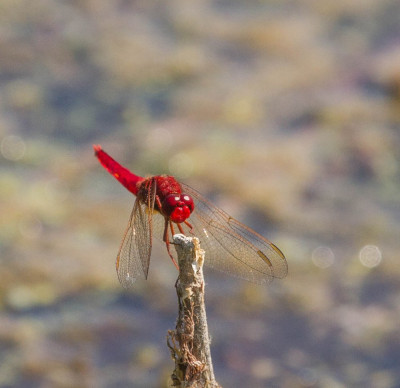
(189,343)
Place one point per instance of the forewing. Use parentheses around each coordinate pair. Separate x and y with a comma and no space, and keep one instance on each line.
(232,247)
(133,258)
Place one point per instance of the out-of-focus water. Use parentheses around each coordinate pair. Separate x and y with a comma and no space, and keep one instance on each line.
(284,114)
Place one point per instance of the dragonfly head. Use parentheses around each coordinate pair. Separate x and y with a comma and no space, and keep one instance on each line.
(178,207)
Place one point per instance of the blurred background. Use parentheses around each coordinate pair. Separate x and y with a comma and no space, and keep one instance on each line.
(284,113)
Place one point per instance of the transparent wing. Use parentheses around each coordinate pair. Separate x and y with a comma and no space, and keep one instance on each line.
(232,247)
(133,258)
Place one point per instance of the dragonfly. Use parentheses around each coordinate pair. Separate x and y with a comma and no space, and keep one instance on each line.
(164,206)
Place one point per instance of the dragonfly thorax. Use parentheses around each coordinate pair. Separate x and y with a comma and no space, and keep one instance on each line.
(178,207)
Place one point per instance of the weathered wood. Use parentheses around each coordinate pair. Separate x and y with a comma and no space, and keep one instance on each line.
(189,342)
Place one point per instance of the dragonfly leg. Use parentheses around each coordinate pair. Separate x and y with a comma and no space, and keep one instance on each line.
(158,203)
(165,234)
(167,242)
(181,229)
(171,225)
(190,226)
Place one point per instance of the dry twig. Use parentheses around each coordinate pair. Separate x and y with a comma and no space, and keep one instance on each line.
(189,343)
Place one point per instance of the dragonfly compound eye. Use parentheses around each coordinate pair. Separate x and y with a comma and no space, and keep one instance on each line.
(187,199)
(178,207)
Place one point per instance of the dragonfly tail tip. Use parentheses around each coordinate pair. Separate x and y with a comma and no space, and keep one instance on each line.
(97,148)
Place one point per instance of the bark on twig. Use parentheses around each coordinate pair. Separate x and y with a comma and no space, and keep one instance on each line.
(189,343)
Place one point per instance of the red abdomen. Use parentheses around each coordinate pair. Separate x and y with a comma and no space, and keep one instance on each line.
(124,176)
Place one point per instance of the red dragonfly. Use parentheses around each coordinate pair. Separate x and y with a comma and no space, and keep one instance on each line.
(165,206)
